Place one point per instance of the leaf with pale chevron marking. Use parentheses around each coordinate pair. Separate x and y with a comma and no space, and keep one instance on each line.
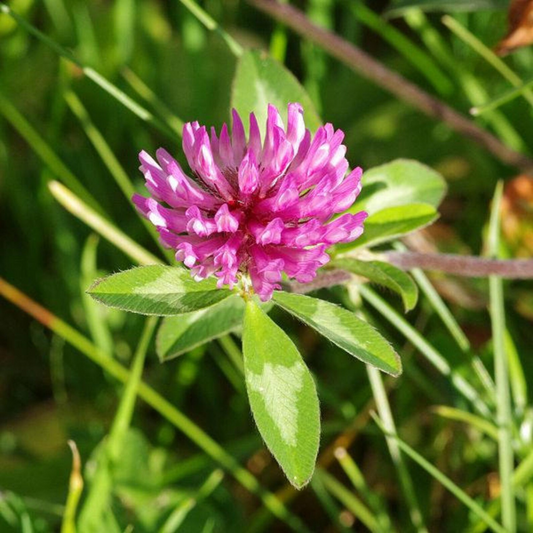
(282,395)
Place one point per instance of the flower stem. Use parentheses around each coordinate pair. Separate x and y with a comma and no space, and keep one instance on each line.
(469,266)
(462,265)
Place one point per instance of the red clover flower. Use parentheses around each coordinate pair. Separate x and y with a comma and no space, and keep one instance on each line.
(253,209)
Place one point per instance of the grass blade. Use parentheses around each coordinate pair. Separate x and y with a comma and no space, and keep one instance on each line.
(59,15)
(126,407)
(517,376)
(444,480)
(104,227)
(98,499)
(44,151)
(100,144)
(179,514)
(383,406)
(96,320)
(348,498)
(486,53)
(410,51)
(358,481)
(211,24)
(501,372)
(110,161)
(233,352)
(507,96)
(329,504)
(75,488)
(124,22)
(451,413)
(138,85)
(428,351)
(97,78)
(438,305)
(521,479)
(451,324)
(473,89)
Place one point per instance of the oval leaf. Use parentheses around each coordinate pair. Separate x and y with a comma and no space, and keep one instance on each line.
(282,395)
(400,182)
(157,290)
(180,334)
(259,81)
(391,223)
(344,329)
(383,274)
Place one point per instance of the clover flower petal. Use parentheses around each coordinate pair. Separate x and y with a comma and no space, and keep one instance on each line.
(254,207)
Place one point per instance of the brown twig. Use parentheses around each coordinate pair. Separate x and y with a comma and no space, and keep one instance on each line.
(361,62)
(463,265)
(327,278)
(459,265)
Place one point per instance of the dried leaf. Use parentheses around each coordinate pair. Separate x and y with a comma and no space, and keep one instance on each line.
(520,27)
(517,216)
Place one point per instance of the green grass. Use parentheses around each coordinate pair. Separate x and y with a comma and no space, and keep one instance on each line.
(172,447)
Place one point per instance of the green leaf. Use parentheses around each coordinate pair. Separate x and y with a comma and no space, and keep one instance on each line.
(391,223)
(157,290)
(383,274)
(179,334)
(400,182)
(259,81)
(282,395)
(344,329)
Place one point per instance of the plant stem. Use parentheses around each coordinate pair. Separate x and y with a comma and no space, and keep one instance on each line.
(459,265)
(462,265)
(233,352)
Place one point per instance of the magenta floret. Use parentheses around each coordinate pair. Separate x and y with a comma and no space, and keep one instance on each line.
(254,208)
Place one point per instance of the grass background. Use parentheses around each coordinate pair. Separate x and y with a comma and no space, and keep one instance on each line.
(49,392)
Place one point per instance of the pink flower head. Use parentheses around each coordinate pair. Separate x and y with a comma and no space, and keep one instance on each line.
(254,207)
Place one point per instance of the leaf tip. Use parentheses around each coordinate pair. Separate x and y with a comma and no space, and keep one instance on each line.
(300,483)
